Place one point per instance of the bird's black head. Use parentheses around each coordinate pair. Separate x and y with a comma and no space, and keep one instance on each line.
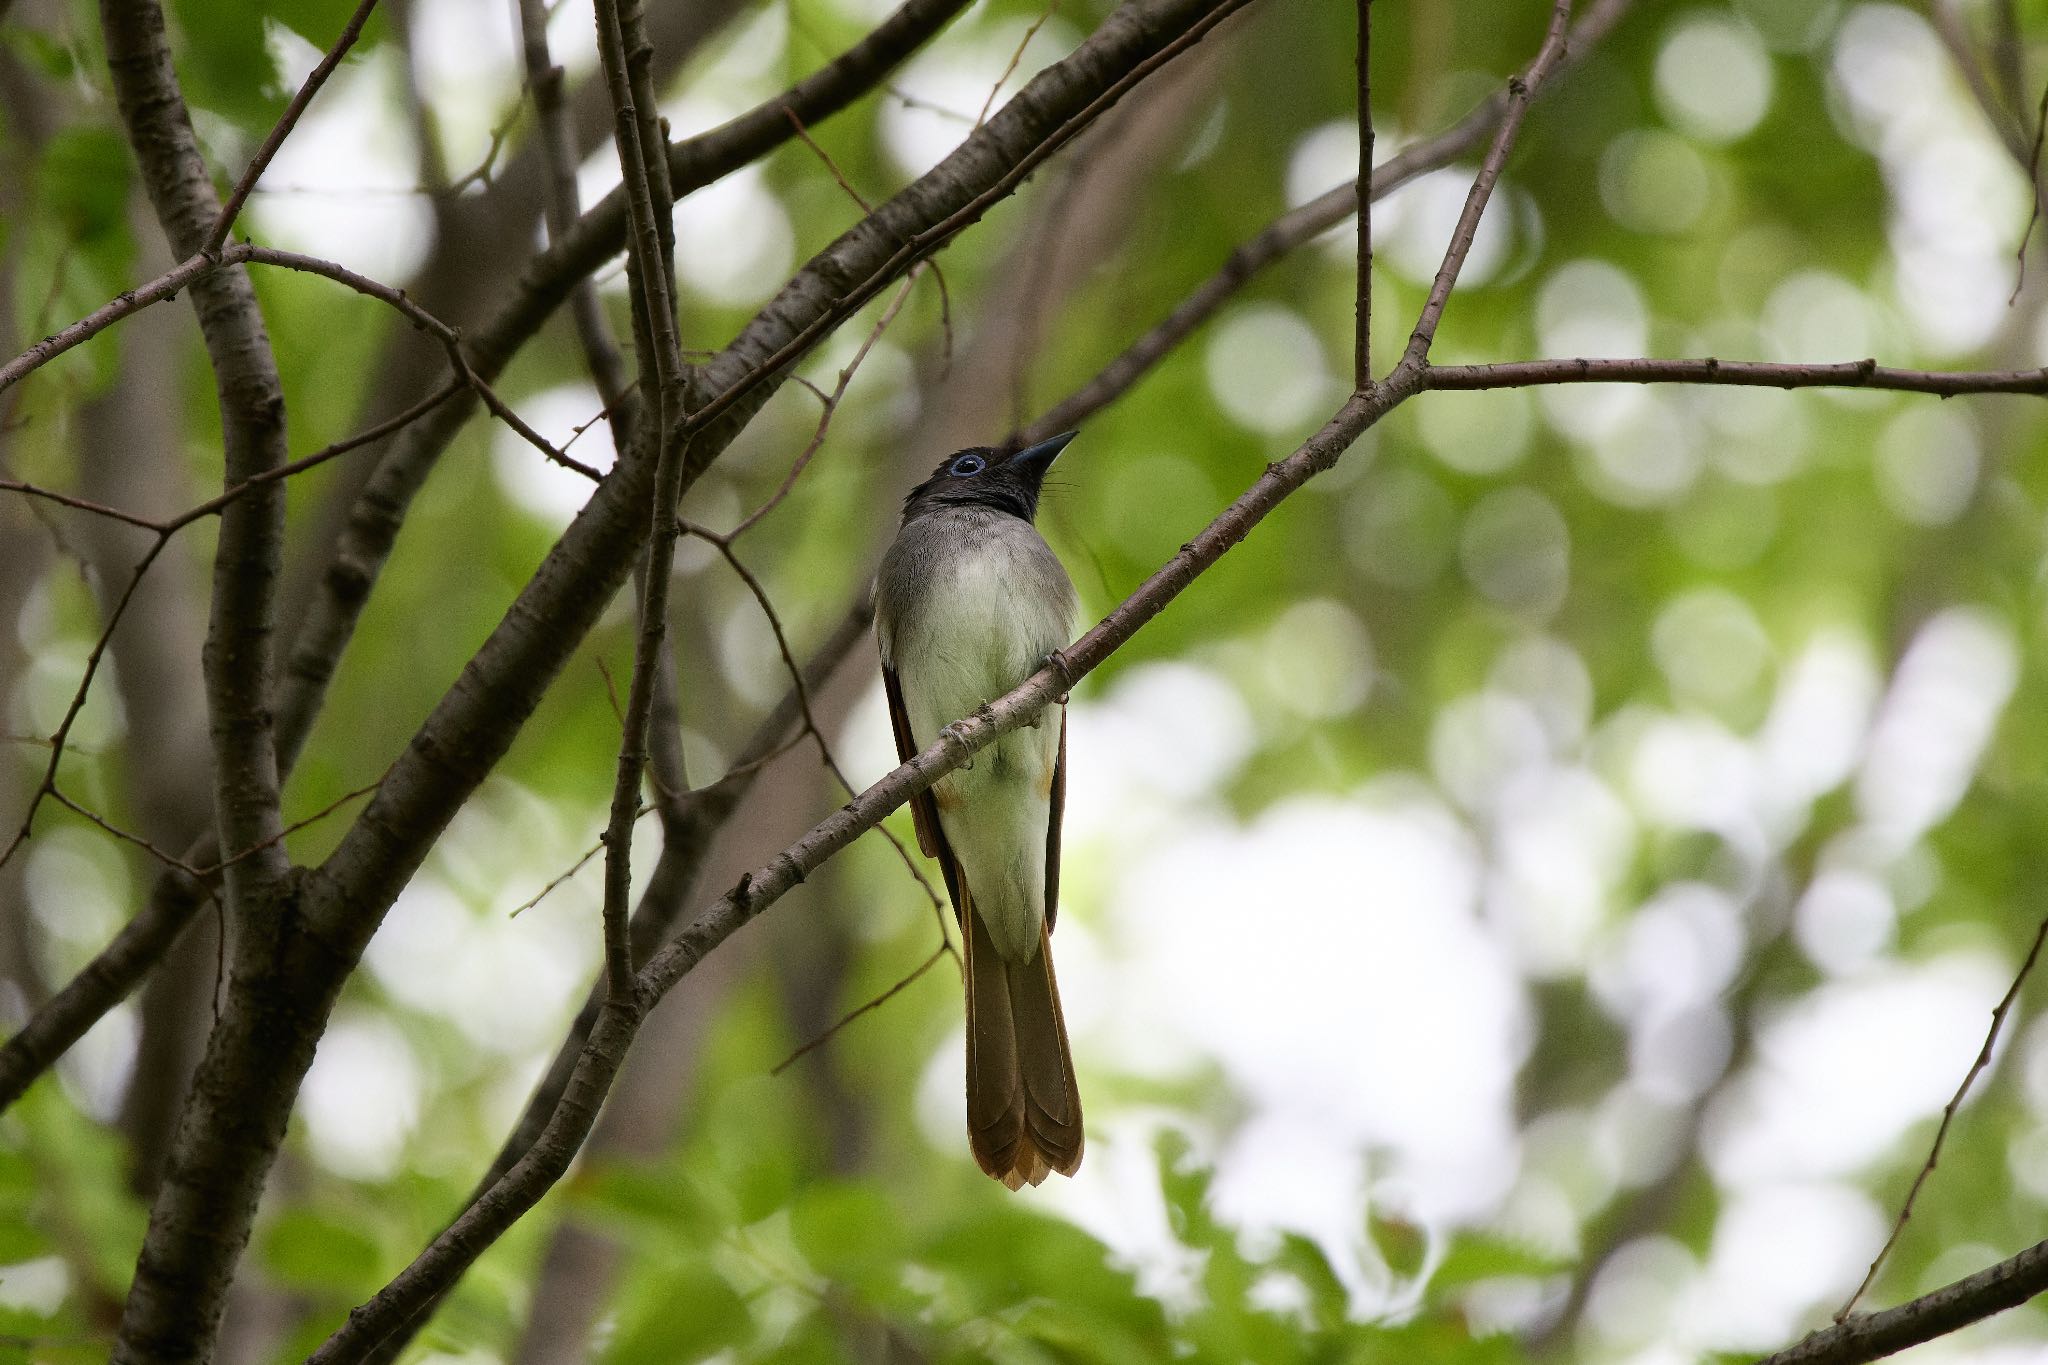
(983,476)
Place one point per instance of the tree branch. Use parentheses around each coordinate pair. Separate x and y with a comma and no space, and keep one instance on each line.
(688,828)
(225,1141)
(1848,374)
(1872,1336)
(622,46)
(1520,89)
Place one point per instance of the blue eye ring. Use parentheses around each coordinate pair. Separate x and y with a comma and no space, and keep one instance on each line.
(967,466)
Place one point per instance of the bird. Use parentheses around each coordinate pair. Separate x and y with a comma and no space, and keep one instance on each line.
(969,602)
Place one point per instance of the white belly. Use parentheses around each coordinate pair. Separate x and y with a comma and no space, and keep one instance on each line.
(980,625)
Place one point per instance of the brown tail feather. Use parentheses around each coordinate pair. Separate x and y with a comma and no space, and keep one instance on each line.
(1023,1108)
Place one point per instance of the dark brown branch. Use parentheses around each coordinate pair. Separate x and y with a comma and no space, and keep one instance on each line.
(1848,374)
(1948,1114)
(917,245)
(1873,1336)
(286,122)
(622,46)
(226,1141)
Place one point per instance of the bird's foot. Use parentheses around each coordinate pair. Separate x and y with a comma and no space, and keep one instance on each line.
(1057,659)
(957,733)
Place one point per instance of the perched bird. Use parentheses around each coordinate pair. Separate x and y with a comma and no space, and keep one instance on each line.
(969,602)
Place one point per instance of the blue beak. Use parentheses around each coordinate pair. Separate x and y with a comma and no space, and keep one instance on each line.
(1037,458)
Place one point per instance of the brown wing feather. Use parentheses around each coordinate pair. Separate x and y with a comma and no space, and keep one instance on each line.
(1052,829)
(924,813)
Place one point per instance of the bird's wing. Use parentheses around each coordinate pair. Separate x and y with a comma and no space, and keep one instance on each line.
(924,814)
(1058,793)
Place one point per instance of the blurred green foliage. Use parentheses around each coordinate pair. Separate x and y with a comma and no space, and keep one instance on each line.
(817,1216)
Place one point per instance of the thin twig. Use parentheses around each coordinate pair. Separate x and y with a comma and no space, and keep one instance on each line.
(944,949)
(167,859)
(48,785)
(2034,201)
(1015,58)
(1291,230)
(1848,374)
(937,272)
(803,695)
(1948,1114)
(831,406)
(315,818)
(1520,89)
(625,53)
(224,222)
(1361,359)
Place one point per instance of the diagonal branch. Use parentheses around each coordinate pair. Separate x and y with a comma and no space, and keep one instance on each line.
(1520,90)
(688,829)
(286,122)
(1948,1115)
(507,1199)
(1872,1336)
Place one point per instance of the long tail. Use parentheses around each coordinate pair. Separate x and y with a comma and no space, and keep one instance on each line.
(1023,1108)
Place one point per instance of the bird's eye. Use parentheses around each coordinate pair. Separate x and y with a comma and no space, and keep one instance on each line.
(967,466)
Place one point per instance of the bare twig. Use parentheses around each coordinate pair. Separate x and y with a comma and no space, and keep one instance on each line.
(1948,1114)
(944,949)
(1848,374)
(1520,89)
(1294,228)
(1015,57)
(1361,350)
(287,121)
(802,693)
(830,403)
(202,266)
(2034,201)
(622,44)
(136,840)
(48,786)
